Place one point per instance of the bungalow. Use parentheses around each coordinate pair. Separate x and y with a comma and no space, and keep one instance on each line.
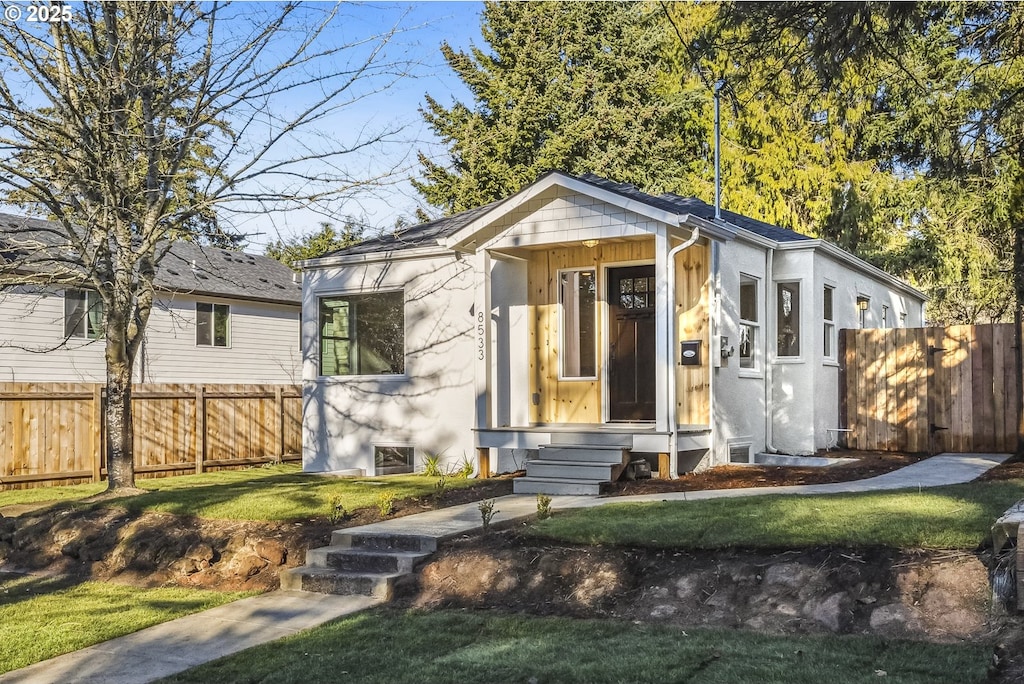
(577,325)
(220,316)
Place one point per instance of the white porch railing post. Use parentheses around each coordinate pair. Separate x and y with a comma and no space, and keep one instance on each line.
(482,339)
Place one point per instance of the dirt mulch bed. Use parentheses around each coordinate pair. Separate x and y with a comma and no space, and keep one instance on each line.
(868,464)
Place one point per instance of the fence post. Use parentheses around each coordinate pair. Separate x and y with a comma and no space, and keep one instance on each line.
(200,428)
(279,403)
(97,432)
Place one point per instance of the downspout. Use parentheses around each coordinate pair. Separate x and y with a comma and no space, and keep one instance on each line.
(770,324)
(673,423)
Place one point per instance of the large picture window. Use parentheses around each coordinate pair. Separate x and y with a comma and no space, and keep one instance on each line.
(748,322)
(788,319)
(578,297)
(362,334)
(83,314)
(213,325)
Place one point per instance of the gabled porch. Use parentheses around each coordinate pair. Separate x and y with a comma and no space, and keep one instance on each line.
(578,345)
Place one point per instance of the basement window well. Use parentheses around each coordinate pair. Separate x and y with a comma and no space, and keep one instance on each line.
(392,460)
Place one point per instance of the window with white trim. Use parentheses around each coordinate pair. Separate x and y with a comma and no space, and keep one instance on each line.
(83,314)
(213,325)
(787,319)
(749,327)
(362,334)
(829,322)
(577,295)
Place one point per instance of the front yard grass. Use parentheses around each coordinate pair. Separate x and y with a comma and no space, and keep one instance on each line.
(274,493)
(390,646)
(953,517)
(43,617)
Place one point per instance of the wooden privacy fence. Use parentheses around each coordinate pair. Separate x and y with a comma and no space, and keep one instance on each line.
(930,389)
(53,432)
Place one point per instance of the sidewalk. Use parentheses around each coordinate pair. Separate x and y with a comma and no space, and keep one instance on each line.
(178,645)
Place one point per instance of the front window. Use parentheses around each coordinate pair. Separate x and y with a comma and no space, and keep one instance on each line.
(748,322)
(829,324)
(578,296)
(362,334)
(83,314)
(788,320)
(213,325)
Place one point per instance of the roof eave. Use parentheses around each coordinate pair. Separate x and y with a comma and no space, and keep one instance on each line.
(371,257)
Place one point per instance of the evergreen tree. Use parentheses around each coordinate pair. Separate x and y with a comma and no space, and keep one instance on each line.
(570,86)
(313,245)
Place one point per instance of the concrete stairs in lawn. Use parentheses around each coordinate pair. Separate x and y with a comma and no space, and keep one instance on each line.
(578,464)
(359,564)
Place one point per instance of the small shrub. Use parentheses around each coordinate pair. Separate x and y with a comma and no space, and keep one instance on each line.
(487,512)
(336,512)
(441,486)
(465,469)
(543,507)
(432,465)
(386,503)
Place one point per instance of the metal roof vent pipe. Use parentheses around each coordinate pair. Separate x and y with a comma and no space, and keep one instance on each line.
(719,87)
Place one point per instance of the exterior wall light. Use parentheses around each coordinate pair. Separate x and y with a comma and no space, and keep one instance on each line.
(590,243)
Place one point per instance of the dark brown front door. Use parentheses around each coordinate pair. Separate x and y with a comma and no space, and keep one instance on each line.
(631,365)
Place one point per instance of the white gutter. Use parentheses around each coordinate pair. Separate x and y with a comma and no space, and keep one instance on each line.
(770,313)
(673,423)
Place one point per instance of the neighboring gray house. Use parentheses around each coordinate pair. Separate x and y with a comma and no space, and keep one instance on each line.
(536,330)
(221,316)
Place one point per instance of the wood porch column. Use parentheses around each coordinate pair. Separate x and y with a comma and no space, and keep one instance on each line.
(663,353)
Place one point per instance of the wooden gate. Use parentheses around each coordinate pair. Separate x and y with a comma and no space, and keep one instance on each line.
(930,389)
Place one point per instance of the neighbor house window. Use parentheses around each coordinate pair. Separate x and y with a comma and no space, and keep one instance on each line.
(578,297)
(788,319)
(390,460)
(213,325)
(362,334)
(748,322)
(829,323)
(83,314)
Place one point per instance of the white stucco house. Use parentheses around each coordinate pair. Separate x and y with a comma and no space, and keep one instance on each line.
(576,325)
(220,316)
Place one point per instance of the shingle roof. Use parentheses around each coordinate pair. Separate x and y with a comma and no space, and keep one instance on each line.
(432,233)
(187,267)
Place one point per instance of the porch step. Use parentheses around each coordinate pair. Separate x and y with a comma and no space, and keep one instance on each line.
(587,453)
(364,560)
(383,542)
(600,471)
(556,486)
(601,440)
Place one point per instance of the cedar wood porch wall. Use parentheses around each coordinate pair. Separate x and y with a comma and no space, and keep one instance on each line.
(579,401)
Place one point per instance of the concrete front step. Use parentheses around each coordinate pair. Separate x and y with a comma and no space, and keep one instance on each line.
(332,581)
(364,560)
(383,542)
(555,486)
(583,452)
(571,470)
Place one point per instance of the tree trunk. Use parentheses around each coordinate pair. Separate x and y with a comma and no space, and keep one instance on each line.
(118,409)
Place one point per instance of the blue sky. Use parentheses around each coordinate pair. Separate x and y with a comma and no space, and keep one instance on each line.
(425,26)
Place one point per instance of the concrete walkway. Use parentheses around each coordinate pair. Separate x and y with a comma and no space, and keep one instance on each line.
(178,645)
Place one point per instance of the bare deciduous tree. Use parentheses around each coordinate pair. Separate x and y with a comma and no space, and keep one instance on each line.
(137,124)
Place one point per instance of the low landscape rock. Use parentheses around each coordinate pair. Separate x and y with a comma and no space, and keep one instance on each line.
(272,550)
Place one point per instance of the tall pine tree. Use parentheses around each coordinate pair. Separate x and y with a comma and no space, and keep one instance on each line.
(570,86)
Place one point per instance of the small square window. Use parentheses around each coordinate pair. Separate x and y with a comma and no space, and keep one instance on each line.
(83,314)
(392,460)
(213,325)
(739,453)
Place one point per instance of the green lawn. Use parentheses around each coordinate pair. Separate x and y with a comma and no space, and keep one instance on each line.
(390,647)
(280,492)
(957,516)
(44,617)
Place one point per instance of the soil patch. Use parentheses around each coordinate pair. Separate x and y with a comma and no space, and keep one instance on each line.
(868,464)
